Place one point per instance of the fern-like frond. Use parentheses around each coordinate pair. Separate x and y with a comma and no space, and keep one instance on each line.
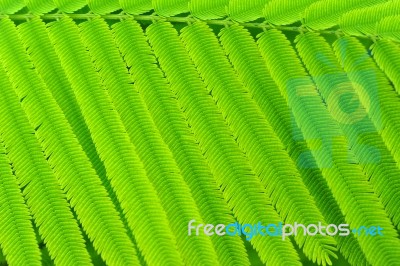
(256,137)
(387,55)
(243,11)
(326,14)
(136,7)
(123,121)
(182,76)
(358,202)
(389,28)
(35,38)
(227,161)
(251,68)
(157,159)
(23,76)
(103,6)
(208,9)
(363,21)
(284,12)
(42,192)
(71,165)
(151,84)
(69,6)
(168,8)
(17,238)
(374,89)
(40,6)
(344,104)
(137,196)
(11,6)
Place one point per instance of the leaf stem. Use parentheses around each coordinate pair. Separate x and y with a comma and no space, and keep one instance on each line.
(186,20)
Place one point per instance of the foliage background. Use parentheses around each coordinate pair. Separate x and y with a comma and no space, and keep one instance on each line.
(120,121)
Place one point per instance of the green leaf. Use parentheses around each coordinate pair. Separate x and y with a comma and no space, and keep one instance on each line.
(363,21)
(285,12)
(11,6)
(124,120)
(252,70)
(208,9)
(40,6)
(389,28)
(243,11)
(157,159)
(182,75)
(71,165)
(343,102)
(136,7)
(387,56)
(374,89)
(326,14)
(35,36)
(103,6)
(256,137)
(137,196)
(17,240)
(69,6)
(227,161)
(339,166)
(167,8)
(41,190)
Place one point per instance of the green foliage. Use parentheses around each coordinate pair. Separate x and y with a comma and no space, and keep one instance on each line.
(208,9)
(123,120)
(368,146)
(170,7)
(389,28)
(122,164)
(246,11)
(225,158)
(158,162)
(103,7)
(40,6)
(42,191)
(136,7)
(364,21)
(69,6)
(253,132)
(375,91)
(11,6)
(326,14)
(212,133)
(387,56)
(93,207)
(253,72)
(284,12)
(328,144)
(19,244)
